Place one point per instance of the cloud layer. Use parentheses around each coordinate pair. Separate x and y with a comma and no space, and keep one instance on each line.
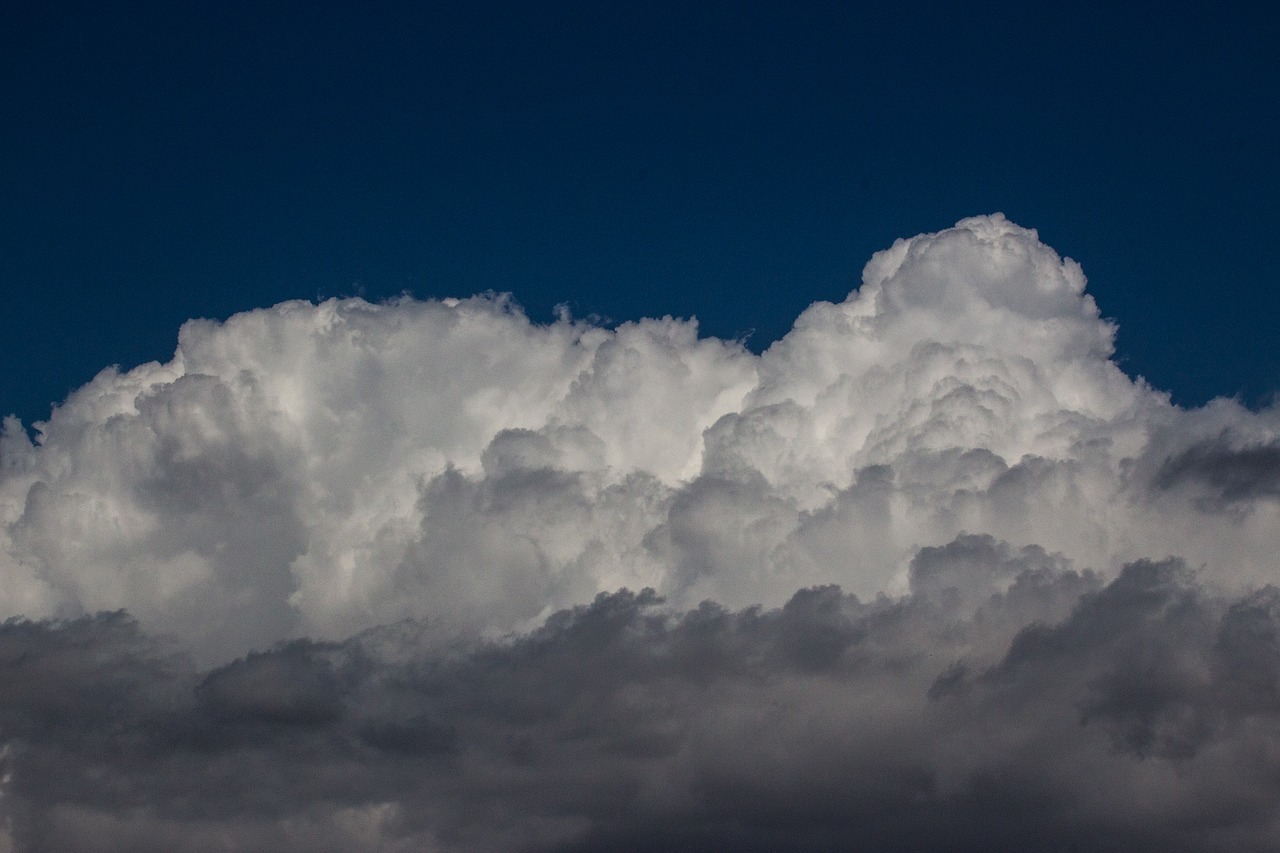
(1061,713)
(932,571)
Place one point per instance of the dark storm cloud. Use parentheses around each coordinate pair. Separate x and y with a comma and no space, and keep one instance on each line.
(1048,711)
(1230,473)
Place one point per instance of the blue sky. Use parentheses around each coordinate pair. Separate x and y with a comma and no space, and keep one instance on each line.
(734,161)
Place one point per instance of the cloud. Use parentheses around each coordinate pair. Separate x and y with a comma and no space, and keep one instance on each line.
(1054,710)
(1230,475)
(930,571)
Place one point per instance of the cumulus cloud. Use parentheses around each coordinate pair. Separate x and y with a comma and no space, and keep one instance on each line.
(929,572)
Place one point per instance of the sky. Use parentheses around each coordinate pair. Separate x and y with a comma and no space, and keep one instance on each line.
(393,498)
(733,161)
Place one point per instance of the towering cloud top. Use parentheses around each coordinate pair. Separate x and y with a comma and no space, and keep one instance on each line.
(321,469)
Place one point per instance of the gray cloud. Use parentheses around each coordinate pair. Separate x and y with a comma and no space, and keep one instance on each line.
(1055,711)
(1229,474)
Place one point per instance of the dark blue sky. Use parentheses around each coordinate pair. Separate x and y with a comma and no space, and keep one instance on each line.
(730,160)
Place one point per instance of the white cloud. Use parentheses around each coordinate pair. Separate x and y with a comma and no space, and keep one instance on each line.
(316,470)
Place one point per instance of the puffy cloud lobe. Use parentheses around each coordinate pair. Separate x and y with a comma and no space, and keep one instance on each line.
(359,542)
(301,469)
